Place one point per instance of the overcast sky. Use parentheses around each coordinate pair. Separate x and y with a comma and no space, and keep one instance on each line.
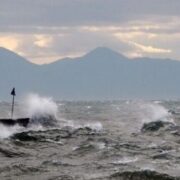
(46,30)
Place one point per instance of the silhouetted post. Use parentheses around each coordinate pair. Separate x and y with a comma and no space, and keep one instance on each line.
(13,93)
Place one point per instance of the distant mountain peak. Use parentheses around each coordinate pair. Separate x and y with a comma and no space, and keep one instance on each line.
(8,55)
(101,74)
(102,49)
(104,52)
(5,51)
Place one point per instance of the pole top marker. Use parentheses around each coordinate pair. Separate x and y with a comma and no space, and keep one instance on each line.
(13,92)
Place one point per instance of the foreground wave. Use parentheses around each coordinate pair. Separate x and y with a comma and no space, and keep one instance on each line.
(95,141)
(141,175)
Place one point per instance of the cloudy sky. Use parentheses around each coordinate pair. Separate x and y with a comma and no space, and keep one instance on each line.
(46,30)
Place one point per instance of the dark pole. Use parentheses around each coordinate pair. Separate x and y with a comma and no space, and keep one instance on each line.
(12,109)
(13,93)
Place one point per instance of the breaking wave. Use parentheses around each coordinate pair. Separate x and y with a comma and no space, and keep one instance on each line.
(141,175)
(41,109)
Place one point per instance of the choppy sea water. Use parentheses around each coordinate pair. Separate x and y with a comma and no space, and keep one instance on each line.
(125,140)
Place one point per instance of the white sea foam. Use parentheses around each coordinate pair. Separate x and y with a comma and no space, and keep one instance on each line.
(40,106)
(101,145)
(150,111)
(88,107)
(135,113)
(8,131)
(34,106)
(97,126)
(148,167)
(126,160)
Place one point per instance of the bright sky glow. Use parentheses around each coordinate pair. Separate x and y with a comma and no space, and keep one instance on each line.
(44,31)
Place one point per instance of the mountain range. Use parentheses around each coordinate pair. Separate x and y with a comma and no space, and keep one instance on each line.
(100,74)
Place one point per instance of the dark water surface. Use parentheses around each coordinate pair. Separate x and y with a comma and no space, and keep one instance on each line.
(126,140)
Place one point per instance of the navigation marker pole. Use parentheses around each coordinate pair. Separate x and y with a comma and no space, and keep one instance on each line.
(13,93)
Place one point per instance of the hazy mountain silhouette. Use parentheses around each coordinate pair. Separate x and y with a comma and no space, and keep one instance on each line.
(100,74)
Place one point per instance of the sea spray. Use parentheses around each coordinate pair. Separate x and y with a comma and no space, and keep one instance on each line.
(6,131)
(140,112)
(96,126)
(150,112)
(41,110)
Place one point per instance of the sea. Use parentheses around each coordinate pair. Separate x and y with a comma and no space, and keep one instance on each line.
(91,140)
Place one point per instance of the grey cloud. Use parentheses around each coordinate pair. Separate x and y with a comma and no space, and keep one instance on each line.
(36,29)
(67,17)
(85,41)
(75,43)
(78,12)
